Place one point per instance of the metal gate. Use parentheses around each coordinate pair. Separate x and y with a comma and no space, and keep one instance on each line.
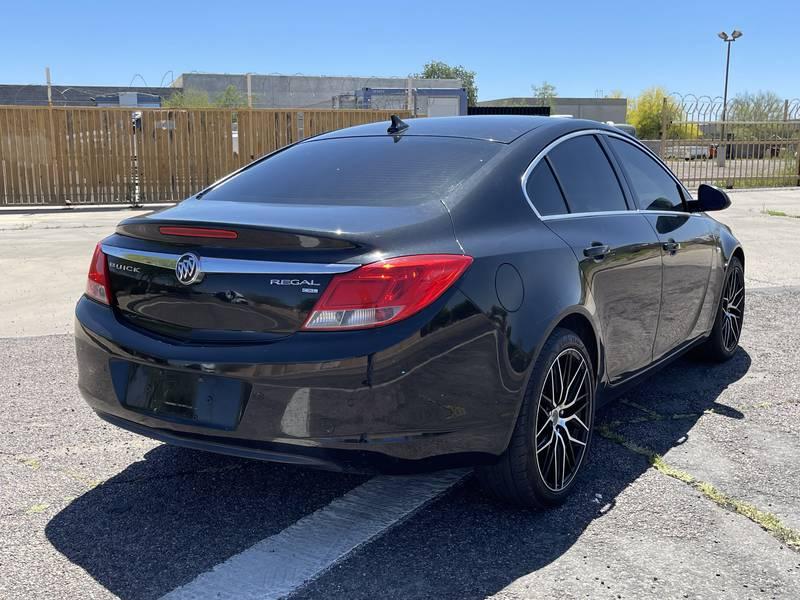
(754,145)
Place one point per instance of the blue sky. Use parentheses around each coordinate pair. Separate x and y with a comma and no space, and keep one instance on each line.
(580,47)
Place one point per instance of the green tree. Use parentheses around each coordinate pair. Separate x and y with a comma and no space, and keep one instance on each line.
(437,69)
(187,99)
(545,92)
(759,106)
(646,114)
(747,113)
(231,98)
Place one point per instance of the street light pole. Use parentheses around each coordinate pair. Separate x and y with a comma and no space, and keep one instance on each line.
(728,39)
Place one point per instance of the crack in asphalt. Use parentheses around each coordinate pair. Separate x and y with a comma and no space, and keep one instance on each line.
(175,474)
(651,415)
(768,521)
(90,483)
(770,287)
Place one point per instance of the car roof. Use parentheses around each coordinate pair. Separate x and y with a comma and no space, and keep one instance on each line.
(494,128)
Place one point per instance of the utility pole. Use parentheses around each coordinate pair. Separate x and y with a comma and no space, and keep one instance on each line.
(728,39)
(410,101)
(49,88)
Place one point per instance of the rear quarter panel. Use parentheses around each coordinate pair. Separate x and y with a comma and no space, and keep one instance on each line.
(495,225)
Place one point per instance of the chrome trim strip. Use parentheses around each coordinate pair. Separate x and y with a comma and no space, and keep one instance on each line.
(588,214)
(668,212)
(155,259)
(210,264)
(538,158)
(671,213)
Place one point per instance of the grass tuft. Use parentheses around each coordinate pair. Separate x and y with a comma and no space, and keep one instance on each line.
(757,182)
(31,462)
(766,520)
(664,467)
(779,213)
(37,508)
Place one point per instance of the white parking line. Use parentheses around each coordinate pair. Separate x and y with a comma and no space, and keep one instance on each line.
(280,564)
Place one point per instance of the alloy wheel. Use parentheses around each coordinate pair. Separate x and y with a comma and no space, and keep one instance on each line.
(563,418)
(732,309)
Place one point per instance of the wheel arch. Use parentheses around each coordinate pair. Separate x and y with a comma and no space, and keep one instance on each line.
(575,319)
(739,253)
(730,246)
(578,320)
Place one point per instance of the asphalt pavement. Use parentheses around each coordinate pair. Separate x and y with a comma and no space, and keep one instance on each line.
(691,490)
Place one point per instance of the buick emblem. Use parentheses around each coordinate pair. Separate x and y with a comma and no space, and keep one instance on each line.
(187,269)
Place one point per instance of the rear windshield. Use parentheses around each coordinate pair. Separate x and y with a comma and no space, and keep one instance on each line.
(360,171)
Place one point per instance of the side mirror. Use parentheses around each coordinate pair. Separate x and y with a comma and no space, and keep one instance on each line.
(709,198)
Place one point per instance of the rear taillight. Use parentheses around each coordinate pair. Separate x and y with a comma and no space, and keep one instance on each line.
(385,292)
(97,285)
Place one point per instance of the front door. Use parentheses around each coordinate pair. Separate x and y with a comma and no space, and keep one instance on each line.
(687,243)
(688,249)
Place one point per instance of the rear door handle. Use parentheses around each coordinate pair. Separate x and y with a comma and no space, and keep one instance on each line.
(671,246)
(597,251)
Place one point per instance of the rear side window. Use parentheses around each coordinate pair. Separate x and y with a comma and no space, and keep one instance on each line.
(360,171)
(544,192)
(586,176)
(652,185)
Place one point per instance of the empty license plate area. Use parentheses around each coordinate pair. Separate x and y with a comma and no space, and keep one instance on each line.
(199,399)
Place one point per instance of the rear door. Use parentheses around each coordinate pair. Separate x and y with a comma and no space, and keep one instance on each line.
(580,198)
(687,242)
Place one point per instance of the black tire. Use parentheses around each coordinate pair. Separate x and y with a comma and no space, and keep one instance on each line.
(518,476)
(723,341)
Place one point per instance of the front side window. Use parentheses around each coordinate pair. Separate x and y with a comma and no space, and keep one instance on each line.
(652,185)
(586,176)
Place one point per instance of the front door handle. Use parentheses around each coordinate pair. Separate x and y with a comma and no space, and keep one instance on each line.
(597,251)
(671,246)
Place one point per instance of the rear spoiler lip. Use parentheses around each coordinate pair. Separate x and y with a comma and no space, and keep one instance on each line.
(246,236)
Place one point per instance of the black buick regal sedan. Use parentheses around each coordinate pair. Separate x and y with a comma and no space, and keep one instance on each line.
(411,295)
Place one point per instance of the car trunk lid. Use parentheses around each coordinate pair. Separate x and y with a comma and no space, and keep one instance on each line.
(259,268)
(197,296)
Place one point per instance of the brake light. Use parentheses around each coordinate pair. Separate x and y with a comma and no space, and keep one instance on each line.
(200,232)
(97,285)
(385,292)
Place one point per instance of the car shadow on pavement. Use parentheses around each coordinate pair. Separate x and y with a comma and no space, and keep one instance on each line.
(176,514)
(168,518)
(470,546)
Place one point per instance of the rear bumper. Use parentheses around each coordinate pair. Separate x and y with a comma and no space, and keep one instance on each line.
(428,393)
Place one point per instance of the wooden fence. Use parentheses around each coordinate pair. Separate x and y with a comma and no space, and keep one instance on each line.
(57,156)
